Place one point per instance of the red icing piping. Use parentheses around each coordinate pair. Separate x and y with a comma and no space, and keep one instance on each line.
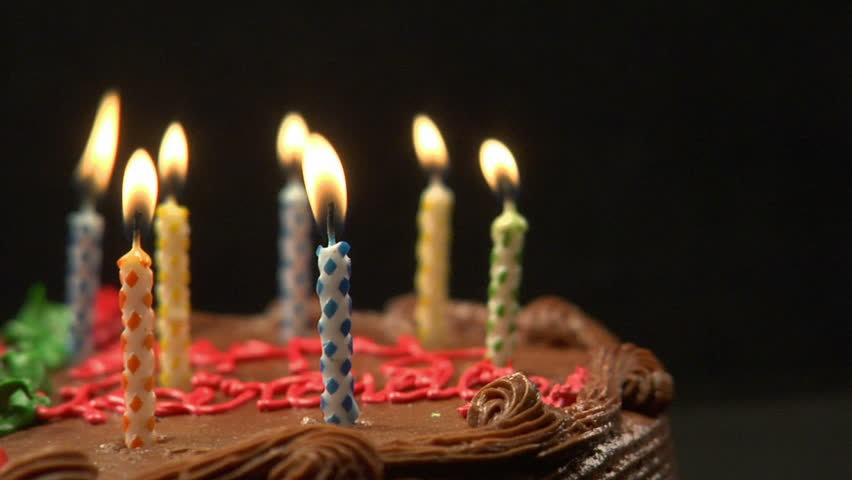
(412,374)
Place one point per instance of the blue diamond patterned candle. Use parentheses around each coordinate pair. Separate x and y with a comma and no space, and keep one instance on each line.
(335,329)
(507,233)
(295,231)
(83,277)
(294,259)
(86,227)
(326,188)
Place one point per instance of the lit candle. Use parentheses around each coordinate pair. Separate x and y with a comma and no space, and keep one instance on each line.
(326,188)
(139,195)
(507,233)
(295,231)
(433,241)
(172,228)
(86,227)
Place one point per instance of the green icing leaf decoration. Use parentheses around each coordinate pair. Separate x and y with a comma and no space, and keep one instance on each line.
(17,405)
(41,327)
(24,366)
(38,336)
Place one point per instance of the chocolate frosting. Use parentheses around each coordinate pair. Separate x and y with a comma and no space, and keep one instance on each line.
(51,463)
(505,403)
(322,452)
(553,321)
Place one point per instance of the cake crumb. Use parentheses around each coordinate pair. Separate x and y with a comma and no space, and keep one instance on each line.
(436,414)
(307,421)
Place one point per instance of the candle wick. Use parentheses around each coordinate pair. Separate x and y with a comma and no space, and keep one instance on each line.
(291,172)
(137,238)
(329,225)
(508,203)
(88,203)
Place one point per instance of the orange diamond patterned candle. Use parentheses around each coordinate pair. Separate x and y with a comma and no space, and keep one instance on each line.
(139,193)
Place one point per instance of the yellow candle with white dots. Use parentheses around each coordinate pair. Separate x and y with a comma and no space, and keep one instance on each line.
(433,241)
(172,259)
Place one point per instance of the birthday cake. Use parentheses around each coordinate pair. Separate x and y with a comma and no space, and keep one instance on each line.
(575,403)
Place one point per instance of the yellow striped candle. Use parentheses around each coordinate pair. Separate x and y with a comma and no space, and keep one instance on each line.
(433,241)
(172,228)
(139,194)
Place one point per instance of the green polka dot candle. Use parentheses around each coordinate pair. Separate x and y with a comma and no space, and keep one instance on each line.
(507,233)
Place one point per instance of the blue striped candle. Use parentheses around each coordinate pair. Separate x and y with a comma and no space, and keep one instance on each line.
(294,263)
(335,328)
(86,227)
(82,279)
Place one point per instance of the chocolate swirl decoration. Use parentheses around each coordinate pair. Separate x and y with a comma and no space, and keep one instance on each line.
(510,423)
(52,463)
(625,376)
(323,452)
(329,453)
(506,403)
(646,386)
(553,321)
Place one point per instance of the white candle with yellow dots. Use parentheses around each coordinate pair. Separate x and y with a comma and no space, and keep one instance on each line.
(433,240)
(172,228)
(139,195)
(507,233)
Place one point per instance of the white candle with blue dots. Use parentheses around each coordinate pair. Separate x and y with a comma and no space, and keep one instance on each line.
(295,231)
(86,227)
(326,188)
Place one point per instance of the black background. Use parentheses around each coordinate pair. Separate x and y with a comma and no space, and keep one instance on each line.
(684,170)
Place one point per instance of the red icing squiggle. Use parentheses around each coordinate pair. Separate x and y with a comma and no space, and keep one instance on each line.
(107,317)
(411,374)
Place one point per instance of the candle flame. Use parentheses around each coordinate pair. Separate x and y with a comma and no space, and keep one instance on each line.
(96,164)
(292,136)
(139,188)
(429,144)
(174,153)
(498,165)
(325,182)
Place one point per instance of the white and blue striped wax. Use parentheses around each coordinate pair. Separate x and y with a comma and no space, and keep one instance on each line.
(294,252)
(83,278)
(335,328)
